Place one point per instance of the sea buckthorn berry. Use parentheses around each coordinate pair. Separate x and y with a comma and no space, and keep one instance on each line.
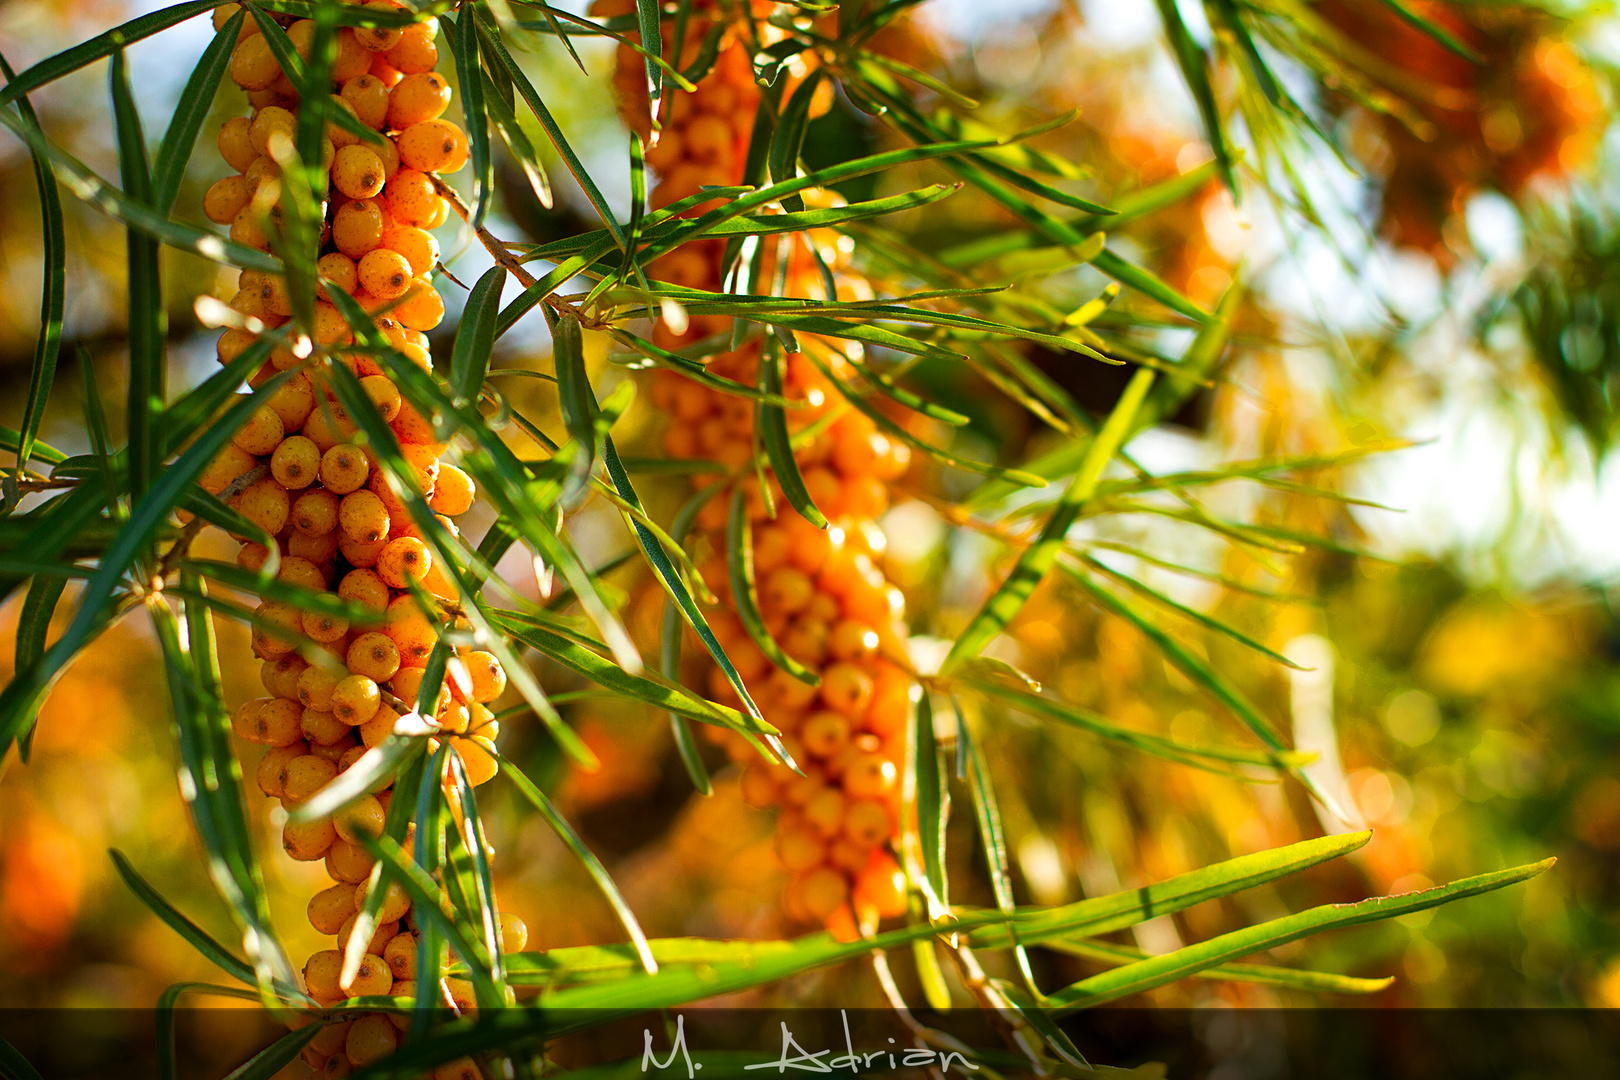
(252,556)
(824,812)
(374,656)
(821,891)
(337,1067)
(415,50)
(411,197)
(297,571)
(357,227)
(315,512)
(422,308)
(234,145)
(487,676)
(245,718)
(287,622)
(852,640)
(380,38)
(363,817)
(306,841)
(319,551)
(514,932)
(335,752)
(846,689)
(400,955)
(870,776)
(357,172)
(293,402)
(337,270)
(233,343)
(824,733)
(378,728)
(322,728)
(478,757)
(402,561)
(302,36)
(268,124)
(786,589)
(385,274)
(464,1068)
(280,676)
(414,636)
(253,65)
(424,461)
(295,462)
(273,764)
(264,503)
(881,886)
(331,328)
(346,862)
(305,776)
(364,587)
(225,199)
(329,908)
(363,517)
(799,847)
(324,628)
(395,903)
(368,97)
(866,822)
(344,469)
(383,394)
(434,146)
(418,246)
(373,1036)
(453,492)
(261,433)
(321,972)
(355,699)
(352,61)
(416,99)
(230,463)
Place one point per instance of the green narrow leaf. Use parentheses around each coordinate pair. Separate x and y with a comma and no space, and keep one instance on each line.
(148,321)
(13,1066)
(678,592)
(196,101)
(432,906)
(1194,63)
(476,846)
(593,866)
(195,936)
(1290,978)
(1190,665)
(788,141)
(745,595)
(464,45)
(1117,911)
(1158,970)
(48,346)
(278,1055)
(475,337)
(933,801)
(1194,754)
(670,650)
(1127,273)
(1039,558)
(652,44)
(1434,30)
(530,96)
(576,400)
(771,420)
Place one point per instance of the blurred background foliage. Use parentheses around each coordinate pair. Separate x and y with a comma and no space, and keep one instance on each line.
(1431,247)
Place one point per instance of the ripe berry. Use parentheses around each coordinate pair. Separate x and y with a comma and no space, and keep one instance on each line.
(357,171)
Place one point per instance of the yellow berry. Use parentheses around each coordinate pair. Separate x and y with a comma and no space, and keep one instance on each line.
(357,227)
(274,764)
(514,932)
(373,655)
(305,776)
(488,677)
(234,145)
(418,246)
(400,954)
(329,908)
(380,38)
(309,840)
(385,274)
(348,862)
(355,699)
(453,492)
(315,512)
(344,469)
(269,124)
(423,307)
(434,146)
(373,1036)
(415,50)
(369,98)
(416,99)
(363,817)
(357,172)
(321,972)
(362,516)
(253,65)
(225,199)
(411,196)
(402,561)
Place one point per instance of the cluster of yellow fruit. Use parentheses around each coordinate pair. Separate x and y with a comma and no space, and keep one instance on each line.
(823,597)
(336,688)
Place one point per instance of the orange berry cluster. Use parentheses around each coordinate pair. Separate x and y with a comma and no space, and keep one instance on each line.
(1532,108)
(822,595)
(336,688)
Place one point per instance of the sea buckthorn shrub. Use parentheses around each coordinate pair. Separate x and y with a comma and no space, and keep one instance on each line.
(335,687)
(821,590)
